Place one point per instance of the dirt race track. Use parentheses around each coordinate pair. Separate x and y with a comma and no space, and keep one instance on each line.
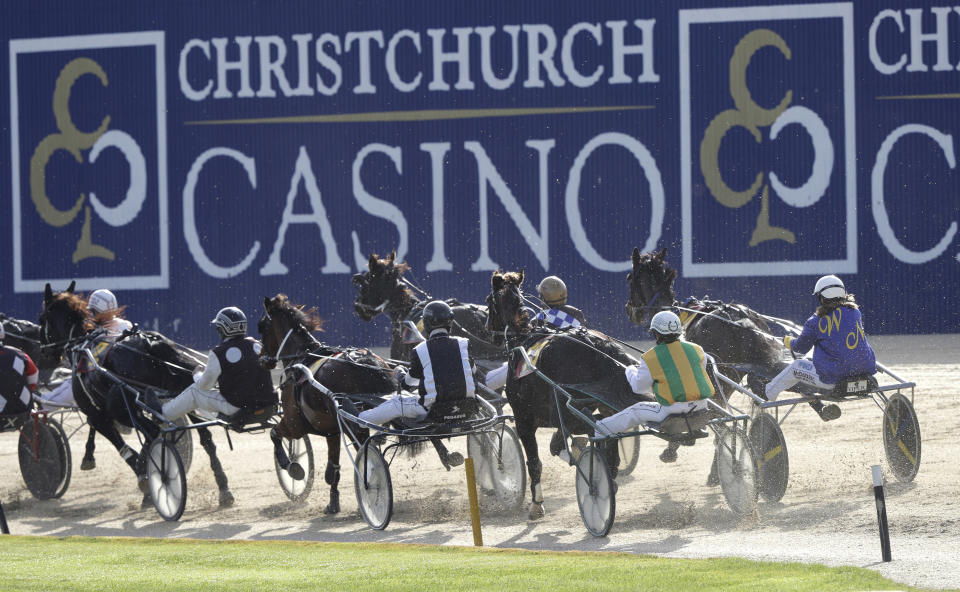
(827,515)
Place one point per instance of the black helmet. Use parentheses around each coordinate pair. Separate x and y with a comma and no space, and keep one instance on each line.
(437,315)
(230,322)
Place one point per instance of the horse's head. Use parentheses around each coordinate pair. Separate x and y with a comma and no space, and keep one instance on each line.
(64,316)
(651,285)
(380,287)
(285,327)
(505,303)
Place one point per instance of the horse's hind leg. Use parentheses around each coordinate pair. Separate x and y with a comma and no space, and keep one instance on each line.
(89,461)
(206,440)
(332,474)
(449,459)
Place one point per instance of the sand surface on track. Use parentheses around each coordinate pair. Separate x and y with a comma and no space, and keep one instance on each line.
(826,516)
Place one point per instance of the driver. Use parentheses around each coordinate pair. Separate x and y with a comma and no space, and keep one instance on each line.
(234,363)
(440,368)
(835,331)
(674,371)
(561,315)
(18,379)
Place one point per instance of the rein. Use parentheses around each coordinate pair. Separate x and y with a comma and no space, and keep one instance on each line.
(728,321)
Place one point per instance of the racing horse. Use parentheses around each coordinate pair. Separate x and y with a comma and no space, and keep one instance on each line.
(286,331)
(25,336)
(146,359)
(586,358)
(382,288)
(734,334)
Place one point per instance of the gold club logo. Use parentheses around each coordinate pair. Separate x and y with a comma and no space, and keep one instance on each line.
(75,141)
(752,117)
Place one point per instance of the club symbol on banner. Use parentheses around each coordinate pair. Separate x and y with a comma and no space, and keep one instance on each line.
(74,141)
(751,116)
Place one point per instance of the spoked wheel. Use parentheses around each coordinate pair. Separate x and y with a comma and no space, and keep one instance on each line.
(629,455)
(184,444)
(901,438)
(300,452)
(774,465)
(595,492)
(371,480)
(499,466)
(166,479)
(41,459)
(63,449)
(737,468)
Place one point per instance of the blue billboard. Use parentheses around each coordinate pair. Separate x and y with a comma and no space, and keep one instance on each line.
(190,156)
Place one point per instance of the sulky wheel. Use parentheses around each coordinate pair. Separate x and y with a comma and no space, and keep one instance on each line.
(901,438)
(41,459)
(481,447)
(183,440)
(771,449)
(596,494)
(737,468)
(629,455)
(507,468)
(301,452)
(371,480)
(63,451)
(166,480)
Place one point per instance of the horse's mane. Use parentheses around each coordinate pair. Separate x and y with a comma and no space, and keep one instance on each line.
(298,314)
(108,315)
(76,306)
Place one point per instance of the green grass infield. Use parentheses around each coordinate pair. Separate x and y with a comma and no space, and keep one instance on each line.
(141,565)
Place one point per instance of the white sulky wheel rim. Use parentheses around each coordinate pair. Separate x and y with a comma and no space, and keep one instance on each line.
(480,447)
(166,480)
(595,493)
(508,469)
(629,455)
(374,489)
(299,451)
(737,468)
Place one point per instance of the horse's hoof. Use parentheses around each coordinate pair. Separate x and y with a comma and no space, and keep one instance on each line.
(332,508)
(713,480)
(454,459)
(143,484)
(536,511)
(89,463)
(668,456)
(226,499)
(296,471)
(146,502)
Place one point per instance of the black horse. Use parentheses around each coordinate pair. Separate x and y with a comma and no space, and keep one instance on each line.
(382,288)
(734,334)
(285,330)
(581,357)
(26,336)
(142,359)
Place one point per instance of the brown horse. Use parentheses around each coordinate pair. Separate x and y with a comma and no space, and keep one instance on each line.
(285,330)
(382,288)
(582,357)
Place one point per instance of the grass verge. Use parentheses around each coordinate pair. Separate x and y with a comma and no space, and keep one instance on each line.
(142,565)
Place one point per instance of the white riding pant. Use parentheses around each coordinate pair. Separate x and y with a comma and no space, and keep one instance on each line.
(193,398)
(497,378)
(407,405)
(800,371)
(643,413)
(62,395)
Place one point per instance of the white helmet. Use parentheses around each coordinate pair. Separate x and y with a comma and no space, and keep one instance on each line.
(666,323)
(101,301)
(829,286)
